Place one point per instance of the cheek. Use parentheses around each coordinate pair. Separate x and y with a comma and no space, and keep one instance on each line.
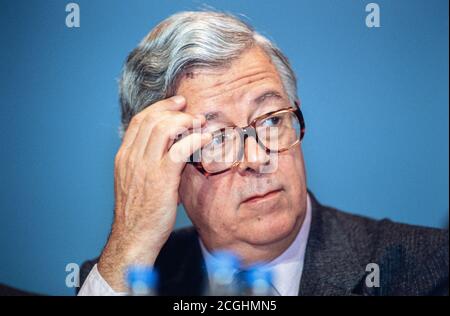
(190,184)
(205,200)
(291,167)
(292,172)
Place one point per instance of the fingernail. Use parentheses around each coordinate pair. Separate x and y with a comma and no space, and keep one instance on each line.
(178,99)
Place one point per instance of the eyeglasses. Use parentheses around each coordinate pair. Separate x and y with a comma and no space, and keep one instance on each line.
(275,132)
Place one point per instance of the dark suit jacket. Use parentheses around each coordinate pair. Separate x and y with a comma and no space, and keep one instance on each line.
(412,260)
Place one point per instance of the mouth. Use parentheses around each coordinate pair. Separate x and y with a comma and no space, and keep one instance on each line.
(262,197)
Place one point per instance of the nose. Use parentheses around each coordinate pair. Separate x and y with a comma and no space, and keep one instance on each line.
(254,158)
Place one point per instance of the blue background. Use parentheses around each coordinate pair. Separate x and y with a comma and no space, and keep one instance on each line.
(376,105)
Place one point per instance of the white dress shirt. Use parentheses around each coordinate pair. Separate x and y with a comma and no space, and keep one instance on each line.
(286,269)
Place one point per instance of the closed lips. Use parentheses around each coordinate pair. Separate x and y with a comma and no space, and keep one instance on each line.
(258,197)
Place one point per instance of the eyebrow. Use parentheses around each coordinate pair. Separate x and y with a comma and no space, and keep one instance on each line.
(268,95)
(272,94)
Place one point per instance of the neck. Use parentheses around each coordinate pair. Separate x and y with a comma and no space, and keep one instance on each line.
(251,254)
(257,253)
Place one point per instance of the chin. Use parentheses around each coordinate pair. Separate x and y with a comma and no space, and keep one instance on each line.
(269,228)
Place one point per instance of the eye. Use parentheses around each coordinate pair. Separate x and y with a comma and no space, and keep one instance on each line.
(272,121)
(221,138)
(218,138)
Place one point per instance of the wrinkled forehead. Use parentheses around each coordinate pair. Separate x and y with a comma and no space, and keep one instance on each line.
(246,87)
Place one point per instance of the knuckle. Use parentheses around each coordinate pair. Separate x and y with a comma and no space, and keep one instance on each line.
(135,122)
(182,116)
(160,127)
(166,102)
(148,118)
(131,160)
(118,157)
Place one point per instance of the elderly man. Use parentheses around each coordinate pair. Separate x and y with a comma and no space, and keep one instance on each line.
(246,191)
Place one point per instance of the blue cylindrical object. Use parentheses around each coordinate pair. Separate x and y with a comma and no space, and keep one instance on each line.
(258,280)
(223,265)
(142,280)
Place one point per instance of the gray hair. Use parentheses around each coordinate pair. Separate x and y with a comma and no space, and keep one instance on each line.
(185,41)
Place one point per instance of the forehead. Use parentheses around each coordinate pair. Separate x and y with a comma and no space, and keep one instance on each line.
(240,83)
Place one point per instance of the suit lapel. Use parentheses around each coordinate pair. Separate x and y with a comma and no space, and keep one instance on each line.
(330,266)
(189,276)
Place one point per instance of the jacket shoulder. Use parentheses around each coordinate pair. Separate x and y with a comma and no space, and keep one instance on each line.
(384,232)
(384,235)
(413,260)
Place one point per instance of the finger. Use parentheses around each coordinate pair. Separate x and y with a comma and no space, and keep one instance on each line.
(126,153)
(175,103)
(166,131)
(180,152)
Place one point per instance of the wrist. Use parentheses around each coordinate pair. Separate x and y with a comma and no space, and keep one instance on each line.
(118,256)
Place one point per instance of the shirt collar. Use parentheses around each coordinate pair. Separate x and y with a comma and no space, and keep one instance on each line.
(287,268)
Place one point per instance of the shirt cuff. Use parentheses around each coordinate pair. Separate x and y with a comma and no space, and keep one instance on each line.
(95,285)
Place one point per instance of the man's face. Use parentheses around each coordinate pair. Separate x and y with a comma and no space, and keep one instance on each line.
(219,205)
